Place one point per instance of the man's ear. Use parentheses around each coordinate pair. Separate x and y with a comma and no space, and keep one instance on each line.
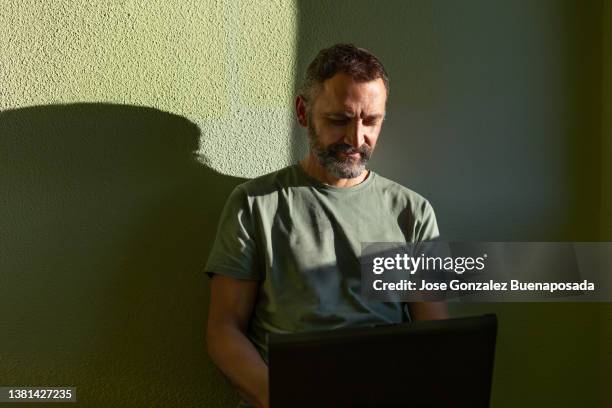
(301,110)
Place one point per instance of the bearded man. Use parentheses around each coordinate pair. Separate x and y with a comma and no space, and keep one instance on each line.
(287,253)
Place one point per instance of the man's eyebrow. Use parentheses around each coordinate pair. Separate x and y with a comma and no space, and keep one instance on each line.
(339,114)
(349,115)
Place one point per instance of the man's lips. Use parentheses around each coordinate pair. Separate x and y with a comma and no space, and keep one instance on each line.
(355,155)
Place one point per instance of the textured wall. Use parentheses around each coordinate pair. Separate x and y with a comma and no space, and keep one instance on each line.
(606,224)
(106,217)
(226,65)
(606,150)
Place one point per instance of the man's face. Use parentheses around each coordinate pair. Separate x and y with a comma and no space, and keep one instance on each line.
(344,121)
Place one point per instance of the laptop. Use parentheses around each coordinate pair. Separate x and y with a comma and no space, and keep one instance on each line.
(441,363)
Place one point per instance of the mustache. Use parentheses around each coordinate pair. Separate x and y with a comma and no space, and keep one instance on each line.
(363,150)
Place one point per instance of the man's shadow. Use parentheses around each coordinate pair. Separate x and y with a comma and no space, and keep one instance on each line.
(107,220)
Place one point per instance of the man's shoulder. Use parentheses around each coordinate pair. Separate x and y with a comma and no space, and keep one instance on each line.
(270,183)
(398,192)
(414,210)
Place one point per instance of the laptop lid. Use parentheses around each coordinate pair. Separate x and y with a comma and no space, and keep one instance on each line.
(442,363)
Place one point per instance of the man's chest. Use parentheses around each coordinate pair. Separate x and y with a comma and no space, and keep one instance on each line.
(311,233)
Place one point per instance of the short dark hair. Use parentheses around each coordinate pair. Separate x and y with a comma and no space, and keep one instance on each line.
(358,63)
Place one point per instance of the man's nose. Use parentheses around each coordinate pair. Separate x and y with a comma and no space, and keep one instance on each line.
(355,135)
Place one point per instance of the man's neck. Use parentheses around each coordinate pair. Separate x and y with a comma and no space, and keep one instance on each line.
(314,169)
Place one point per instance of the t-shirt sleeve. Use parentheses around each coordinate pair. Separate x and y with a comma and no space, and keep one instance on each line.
(233,253)
(427,226)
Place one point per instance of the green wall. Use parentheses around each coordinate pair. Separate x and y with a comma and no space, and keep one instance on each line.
(606,151)
(125,124)
(606,186)
(227,66)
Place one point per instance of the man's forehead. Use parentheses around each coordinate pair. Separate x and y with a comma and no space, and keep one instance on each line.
(344,86)
(343,94)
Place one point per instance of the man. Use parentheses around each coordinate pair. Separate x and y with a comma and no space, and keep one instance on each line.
(286,256)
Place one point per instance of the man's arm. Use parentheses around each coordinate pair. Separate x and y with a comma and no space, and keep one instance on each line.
(231,306)
(428,310)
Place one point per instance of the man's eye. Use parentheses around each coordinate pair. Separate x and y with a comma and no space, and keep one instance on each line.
(338,122)
(370,123)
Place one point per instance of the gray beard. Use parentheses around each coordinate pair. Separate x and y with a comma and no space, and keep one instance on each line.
(347,168)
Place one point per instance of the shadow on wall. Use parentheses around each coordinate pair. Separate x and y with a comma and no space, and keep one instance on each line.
(107,220)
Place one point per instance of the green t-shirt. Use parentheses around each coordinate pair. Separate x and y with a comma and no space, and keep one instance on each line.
(302,240)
